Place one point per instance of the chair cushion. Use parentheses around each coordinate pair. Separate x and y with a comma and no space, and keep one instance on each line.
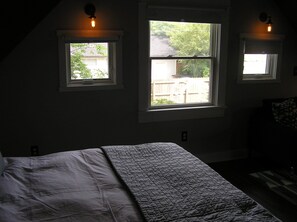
(285,112)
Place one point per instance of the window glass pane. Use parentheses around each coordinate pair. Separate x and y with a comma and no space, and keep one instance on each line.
(255,64)
(89,60)
(182,39)
(180,81)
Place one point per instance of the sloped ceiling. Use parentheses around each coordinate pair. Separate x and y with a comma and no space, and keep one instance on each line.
(18,18)
(289,8)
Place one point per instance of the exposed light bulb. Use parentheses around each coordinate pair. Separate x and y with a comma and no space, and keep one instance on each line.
(93,22)
(269,28)
(90,10)
(269,24)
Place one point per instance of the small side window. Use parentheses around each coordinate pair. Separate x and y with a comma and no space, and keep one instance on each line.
(90,60)
(260,57)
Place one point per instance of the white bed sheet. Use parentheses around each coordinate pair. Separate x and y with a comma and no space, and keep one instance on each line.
(67,186)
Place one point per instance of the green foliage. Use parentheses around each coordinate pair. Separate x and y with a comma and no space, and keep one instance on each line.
(161,29)
(188,39)
(100,74)
(193,67)
(205,71)
(79,69)
(162,101)
(101,49)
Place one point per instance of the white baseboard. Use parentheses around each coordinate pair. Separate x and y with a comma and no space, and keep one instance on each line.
(223,156)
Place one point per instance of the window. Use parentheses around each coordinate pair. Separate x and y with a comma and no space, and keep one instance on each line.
(260,57)
(89,60)
(182,62)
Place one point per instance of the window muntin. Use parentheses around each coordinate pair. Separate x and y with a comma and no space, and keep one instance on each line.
(181,63)
(90,59)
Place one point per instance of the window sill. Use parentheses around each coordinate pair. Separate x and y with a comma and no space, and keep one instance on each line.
(181,113)
(259,80)
(91,87)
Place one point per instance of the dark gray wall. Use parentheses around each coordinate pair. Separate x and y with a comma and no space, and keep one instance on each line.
(34,112)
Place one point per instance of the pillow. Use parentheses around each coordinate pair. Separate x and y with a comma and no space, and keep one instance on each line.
(1,164)
(267,106)
(285,113)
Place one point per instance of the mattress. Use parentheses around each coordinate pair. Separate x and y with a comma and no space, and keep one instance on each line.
(147,182)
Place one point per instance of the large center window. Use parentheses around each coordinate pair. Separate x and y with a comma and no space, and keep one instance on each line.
(181,62)
(182,59)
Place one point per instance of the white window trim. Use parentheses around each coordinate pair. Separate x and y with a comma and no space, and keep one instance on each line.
(115,60)
(271,77)
(217,108)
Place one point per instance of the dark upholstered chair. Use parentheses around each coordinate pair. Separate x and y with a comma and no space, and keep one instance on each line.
(272,139)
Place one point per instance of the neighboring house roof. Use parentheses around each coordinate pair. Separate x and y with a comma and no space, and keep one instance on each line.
(160,46)
(90,51)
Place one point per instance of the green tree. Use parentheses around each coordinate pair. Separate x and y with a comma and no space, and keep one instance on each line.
(79,69)
(100,74)
(101,49)
(161,29)
(188,39)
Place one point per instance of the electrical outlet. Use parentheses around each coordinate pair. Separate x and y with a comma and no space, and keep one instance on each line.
(184,136)
(34,150)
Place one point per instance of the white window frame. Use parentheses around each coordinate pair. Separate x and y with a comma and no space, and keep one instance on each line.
(114,40)
(273,64)
(214,41)
(213,14)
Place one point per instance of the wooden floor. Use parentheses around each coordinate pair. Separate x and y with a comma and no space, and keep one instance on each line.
(237,172)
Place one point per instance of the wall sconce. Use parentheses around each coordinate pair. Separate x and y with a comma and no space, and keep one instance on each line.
(263,17)
(90,10)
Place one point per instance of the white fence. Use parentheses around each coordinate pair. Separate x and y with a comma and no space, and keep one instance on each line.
(181,90)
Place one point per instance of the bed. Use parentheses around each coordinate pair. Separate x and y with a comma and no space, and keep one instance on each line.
(145,182)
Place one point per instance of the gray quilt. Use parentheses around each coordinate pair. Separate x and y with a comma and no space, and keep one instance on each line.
(170,184)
